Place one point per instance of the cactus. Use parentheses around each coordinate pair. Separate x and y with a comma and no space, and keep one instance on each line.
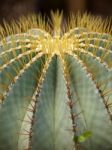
(56,84)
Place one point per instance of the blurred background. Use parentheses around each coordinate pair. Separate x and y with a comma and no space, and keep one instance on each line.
(15,8)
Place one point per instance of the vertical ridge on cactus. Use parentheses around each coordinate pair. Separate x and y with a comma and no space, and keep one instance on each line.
(56,84)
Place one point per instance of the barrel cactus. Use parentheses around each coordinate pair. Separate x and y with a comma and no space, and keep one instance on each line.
(56,84)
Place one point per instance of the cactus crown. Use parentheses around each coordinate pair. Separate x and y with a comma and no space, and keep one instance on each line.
(56,84)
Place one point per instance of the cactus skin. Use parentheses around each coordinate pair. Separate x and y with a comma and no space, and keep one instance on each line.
(54,88)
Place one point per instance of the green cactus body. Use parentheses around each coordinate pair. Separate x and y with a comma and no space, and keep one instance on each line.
(56,89)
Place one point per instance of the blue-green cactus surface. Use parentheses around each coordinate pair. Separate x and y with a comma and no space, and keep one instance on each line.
(56,89)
